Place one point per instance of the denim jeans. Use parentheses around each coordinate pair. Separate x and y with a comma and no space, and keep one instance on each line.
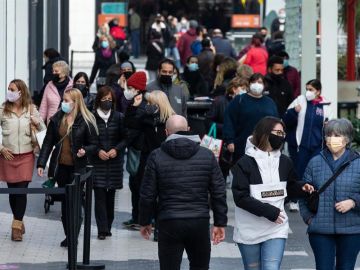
(328,248)
(174,52)
(263,256)
(135,42)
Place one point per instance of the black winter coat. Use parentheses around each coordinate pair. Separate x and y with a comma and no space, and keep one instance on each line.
(81,136)
(109,173)
(101,63)
(217,112)
(181,175)
(154,54)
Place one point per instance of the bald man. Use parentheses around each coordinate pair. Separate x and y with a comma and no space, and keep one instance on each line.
(181,175)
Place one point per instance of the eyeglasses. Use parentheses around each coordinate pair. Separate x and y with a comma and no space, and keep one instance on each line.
(279,132)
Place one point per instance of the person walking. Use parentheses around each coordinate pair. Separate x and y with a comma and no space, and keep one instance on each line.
(225,73)
(334,231)
(172,174)
(134,26)
(291,74)
(54,90)
(109,160)
(155,53)
(194,79)
(305,120)
(164,82)
(206,60)
(263,178)
(81,82)
(73,133)
(185,41)
(172,38)
(243,113)
(222,45)
(18,116)
(257,56)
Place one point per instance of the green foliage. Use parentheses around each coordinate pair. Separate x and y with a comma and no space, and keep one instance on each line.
(343,17)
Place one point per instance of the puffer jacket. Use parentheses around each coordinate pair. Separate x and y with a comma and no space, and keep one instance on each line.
(346,186)
(81,136)
(51,101)
(16,133)
(181,174)
(109,173)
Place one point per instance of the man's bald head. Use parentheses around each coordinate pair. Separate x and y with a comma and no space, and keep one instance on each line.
(176,123)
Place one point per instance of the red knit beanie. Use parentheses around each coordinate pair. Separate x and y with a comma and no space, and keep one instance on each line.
(137,80)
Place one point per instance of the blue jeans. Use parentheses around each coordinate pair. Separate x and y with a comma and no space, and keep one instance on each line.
(135,42)
(174,52)
(263,256)
(328,248)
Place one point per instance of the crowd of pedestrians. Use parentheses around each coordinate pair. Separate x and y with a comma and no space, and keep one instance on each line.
(138,121)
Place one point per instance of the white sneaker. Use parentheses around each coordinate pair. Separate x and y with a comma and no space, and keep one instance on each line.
(294,207)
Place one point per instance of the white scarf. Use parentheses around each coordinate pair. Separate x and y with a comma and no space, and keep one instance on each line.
(103,115)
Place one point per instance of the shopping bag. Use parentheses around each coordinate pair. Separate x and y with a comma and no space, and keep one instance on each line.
(209,141)
(133,161)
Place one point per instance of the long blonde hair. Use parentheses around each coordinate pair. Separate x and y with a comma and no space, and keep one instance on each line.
(79,106)
(226,65)
(24,96)
(160,99)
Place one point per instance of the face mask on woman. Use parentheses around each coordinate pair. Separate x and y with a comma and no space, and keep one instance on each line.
(276,141)
(66,107)
(83,88)
(310,95)
(193,67)
(256,88)
(106,105)
(129,94)
(104,44)
(335,144)
(13,96)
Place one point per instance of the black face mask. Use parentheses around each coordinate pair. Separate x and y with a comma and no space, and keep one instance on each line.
(55,78)
(165,79)
(128,74)
(106,105)
(276,77)
(83,89)
(276,141)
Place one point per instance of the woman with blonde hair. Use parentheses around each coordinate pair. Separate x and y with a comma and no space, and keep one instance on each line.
(73,132)
(54,90)
(226,71)
(18,116)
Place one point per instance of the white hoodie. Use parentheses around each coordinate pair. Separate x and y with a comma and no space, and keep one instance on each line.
(249,228)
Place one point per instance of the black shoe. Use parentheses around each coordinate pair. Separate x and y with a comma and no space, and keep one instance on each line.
(102,236)
(108,234)
(64,243)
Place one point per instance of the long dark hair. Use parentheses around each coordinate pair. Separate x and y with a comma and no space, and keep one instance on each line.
(84,75)
(260,136)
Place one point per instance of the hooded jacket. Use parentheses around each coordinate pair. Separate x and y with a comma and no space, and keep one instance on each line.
(262,181)
(182,174)
(184,45)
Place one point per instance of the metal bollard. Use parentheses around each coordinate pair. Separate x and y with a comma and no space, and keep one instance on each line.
(70,198)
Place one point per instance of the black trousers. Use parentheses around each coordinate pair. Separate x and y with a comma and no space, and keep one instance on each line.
(135,185)
(64,176)
(18,201)
(177,235)
(104,209)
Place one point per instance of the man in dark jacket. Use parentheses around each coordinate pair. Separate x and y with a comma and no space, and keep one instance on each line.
(223,45)
(277,87)
(181,175)
(291,74)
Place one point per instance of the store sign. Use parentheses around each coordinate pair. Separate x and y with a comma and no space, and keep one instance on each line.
(245,21)
(113,8)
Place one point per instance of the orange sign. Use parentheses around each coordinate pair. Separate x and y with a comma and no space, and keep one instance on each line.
(105,18)
(245,21)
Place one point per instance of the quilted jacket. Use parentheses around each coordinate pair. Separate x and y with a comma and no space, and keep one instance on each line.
(346,186)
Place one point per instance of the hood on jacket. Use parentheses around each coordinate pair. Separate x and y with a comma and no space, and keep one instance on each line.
(252,151)
(191,32)
(181,146)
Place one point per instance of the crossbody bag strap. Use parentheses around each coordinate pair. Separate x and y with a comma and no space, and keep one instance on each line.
(333,178)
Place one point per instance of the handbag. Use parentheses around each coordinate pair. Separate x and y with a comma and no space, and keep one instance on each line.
(210,142)
(312,200)
(133,161)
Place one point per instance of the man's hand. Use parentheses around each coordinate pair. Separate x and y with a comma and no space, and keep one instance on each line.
(345,206)
(145,231)
(103,155)
(231,148)
(112,153)
(218,235)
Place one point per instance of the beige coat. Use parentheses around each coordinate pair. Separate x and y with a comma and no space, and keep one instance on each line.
(16,133)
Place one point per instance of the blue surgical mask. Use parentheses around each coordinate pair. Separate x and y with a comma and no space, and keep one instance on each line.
(66,107)
(104,44)
(286,63)
(193,67)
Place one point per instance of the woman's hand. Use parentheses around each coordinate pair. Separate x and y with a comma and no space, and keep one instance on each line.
(112,153)
(308,188)
(103,155)
(345,206)
(7,153)
(81,153)
(297,108)
(137,100)
(280,219)
(40,172)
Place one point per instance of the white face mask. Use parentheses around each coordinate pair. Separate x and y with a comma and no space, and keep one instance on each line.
(13,96)
(256,88)
(310,95)
(241,91)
